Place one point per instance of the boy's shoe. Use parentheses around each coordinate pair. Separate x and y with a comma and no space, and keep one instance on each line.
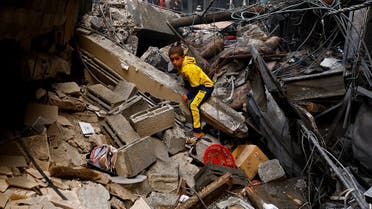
(198,135)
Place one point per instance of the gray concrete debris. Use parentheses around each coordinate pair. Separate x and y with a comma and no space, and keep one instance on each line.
(104,96)
(163,176)
(160,200)
(127,89)
(119,128)
(132,106)
(93,195)
(135,157)
(153,120)
(186,169)
(270,170)
(234,202)
(175,139)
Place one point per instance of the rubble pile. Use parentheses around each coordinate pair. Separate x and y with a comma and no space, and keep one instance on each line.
(286,126)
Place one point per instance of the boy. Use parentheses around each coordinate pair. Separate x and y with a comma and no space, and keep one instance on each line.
(199,85)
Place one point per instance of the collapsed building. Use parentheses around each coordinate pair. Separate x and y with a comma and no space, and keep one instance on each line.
(287,124)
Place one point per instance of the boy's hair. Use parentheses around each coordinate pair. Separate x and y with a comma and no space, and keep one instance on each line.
(176,48)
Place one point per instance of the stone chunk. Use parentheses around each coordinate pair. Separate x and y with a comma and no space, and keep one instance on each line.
(175,140)
(186,169)
(68,88)
(134,105)
(120,129)
(153,120)
(93,195)
(270,170)
(163,176)
(135,157)
(141,203)
(104,96)
(163,200)
(125,88)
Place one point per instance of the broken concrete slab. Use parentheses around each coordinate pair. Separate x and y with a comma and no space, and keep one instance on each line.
(120,129)
(143,16)
(24,182)
(104,96)
(153,120)
(132,106)
(135,157)
(159,84)
(125,88)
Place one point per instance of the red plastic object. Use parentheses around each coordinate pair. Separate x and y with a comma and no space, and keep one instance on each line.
(219,155)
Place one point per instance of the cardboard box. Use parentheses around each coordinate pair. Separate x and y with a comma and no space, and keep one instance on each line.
(248,157)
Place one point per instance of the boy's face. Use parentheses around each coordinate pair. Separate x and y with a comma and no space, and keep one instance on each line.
(176,60)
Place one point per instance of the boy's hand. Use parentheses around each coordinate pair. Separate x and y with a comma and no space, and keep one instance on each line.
(184,98)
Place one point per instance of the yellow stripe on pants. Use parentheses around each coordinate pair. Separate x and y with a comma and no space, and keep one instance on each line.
(194,108)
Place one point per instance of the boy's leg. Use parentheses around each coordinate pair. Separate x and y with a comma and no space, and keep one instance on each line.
(199,98)
(195,112)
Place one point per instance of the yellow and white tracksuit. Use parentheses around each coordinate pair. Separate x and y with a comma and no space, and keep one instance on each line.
(200,88)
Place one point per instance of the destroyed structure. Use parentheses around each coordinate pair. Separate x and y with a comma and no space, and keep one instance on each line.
(288,124)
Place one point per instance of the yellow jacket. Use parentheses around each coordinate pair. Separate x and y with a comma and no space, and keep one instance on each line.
(194,74)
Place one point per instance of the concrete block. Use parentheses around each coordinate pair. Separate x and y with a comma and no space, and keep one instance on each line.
(135,157)
(163,176)
(175,139)
(126,89)
(134,105)
(104,96)
(163,200)
(153,120)
(270,170)
(119,127)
